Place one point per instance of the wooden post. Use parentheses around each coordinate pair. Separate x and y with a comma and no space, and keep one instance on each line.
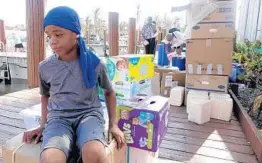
(113,31)
(132,36)
(159,36)
(35,10)
(87,30)
(2,34)
(163,33)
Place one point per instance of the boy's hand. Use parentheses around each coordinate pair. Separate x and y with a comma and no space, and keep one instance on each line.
(116,133)
(33,133)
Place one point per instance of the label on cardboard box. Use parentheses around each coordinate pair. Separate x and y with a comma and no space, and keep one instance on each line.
(209,68)
(219,69)
(199,69)
(168,81)
(190,68)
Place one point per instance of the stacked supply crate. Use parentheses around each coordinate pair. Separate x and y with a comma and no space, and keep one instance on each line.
(209,49)
(209,54)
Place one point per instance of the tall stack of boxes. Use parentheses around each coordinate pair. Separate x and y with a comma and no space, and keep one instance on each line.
(209,50)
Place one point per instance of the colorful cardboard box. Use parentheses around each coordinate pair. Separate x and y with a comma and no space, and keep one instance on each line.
(129,68)
(128,90)
(144,123)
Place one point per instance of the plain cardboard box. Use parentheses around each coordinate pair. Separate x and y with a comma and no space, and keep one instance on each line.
(226,12)
(211,83)
(136,155)
(205,30)
(209,56)
(30,153)
(168,79)
(220,23)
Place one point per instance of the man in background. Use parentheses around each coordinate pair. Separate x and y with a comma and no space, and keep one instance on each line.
(149,33)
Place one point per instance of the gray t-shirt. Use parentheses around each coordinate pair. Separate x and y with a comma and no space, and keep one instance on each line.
(64,83)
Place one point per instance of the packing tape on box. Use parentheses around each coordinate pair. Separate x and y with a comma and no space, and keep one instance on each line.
(14,152)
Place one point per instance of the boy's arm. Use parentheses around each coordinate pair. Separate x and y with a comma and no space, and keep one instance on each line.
(110,97)
(44,91)
(44,102)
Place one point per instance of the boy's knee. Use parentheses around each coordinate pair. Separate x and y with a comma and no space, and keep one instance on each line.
(52,155)
(94,150)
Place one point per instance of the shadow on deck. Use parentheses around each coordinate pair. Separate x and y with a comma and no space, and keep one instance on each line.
(214,142)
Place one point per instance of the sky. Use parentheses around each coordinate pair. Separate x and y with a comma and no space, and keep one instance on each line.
(13,11)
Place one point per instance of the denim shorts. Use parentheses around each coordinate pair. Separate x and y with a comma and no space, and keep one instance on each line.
(67,129)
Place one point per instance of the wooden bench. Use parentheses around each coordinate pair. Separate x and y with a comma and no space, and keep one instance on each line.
(15,151)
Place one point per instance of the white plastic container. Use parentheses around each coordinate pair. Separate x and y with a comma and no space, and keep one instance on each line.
(200,111)
(177,96)
(201,95)
(32,116)
(221,107)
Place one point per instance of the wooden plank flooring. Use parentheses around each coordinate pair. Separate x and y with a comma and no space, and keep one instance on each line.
(216,141)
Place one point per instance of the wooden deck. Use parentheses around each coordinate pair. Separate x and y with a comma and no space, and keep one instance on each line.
(214,142)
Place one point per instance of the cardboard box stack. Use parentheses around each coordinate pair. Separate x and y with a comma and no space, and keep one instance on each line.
(141,116)
(210,45)
(209,50)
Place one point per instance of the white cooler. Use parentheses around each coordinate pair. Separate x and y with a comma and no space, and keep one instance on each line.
(31,116)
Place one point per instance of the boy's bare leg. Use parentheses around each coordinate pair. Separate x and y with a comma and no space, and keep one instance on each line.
(53,155)
(94,152)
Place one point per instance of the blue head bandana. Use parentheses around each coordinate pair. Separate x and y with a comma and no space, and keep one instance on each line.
(67,18)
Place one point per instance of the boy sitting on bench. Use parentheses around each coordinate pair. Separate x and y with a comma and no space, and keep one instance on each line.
(71,109)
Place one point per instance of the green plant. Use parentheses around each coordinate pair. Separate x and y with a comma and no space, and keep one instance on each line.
(248,56)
